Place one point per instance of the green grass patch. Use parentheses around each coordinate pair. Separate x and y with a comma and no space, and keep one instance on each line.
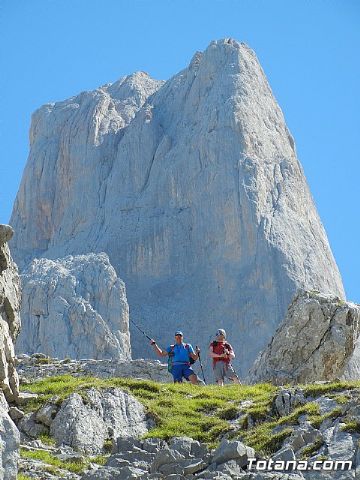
(340,398)
(52,461)
(263,440)
(311,449)
(262,437)
(316,420)
(47,440)
(318,389)
(100,459)
(22,476)
(202,413)
(351,426)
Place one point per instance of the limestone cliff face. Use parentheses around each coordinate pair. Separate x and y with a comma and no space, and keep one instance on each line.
(197,196)
(9,317)
(74,307)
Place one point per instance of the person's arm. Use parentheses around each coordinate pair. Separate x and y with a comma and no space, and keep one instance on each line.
(215,355)
(230,352)
(157,349)
(194,355)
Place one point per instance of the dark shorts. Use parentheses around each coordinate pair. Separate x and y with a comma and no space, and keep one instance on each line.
(180,371)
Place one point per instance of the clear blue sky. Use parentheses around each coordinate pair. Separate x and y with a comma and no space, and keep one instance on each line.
(309,49)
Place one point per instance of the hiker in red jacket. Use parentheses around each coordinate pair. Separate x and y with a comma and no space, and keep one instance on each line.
(222,353)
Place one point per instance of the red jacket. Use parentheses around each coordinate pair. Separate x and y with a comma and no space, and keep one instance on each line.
(219,348)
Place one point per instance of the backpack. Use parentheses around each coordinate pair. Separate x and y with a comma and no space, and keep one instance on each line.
(171,355)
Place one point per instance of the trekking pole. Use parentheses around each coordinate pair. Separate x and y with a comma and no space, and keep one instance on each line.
(202,370)
(142,331)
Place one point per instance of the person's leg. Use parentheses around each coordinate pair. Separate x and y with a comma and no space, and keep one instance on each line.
(231,375)
(177,373)
(190,375)
(235,380)
(219,373)
(193,379)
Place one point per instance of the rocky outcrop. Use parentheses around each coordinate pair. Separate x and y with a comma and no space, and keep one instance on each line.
(9,382)
(74,307)
(318,340)
(181,457)
(196,195)
(39,366)
(9,447)
(85,422)
(9,316)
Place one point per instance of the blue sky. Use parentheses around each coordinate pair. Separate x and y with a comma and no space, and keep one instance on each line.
(309,49)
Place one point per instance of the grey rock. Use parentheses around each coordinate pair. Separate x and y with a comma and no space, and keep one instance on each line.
(6,234)
(288,399)
(26,397)
(303,436)
(285,454)
(341,445)
(137,457)
(188,447)
(192,182)
(110,473)
(195,466)
(9,317)
(124,444)
(78,426)
(86,425)
(140,369)
(152,445)
(3,403)
(233,450)
(30,427)
(16,414)
(9,447)
(231,468)
(326,404)
(47,412)
(74,307)
(316,341)
(164,457)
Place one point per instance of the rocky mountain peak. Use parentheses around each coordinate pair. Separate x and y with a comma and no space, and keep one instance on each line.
(193,189)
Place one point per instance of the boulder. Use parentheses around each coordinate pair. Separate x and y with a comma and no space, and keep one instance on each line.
(47,412)
(9,447)
(233,450)
(85,423)
(318,340)
(288,399)
(74,307)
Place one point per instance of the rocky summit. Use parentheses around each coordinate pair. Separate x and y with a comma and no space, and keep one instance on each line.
(193,189)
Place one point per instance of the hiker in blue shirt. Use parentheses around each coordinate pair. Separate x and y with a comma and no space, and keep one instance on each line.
(180,355)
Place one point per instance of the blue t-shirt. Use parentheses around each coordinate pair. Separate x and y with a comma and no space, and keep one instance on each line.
(181,353)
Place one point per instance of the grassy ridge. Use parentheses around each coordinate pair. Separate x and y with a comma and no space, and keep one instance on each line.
(205,413)
(202,413)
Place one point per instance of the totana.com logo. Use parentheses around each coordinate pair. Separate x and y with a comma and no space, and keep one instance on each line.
(299,465)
